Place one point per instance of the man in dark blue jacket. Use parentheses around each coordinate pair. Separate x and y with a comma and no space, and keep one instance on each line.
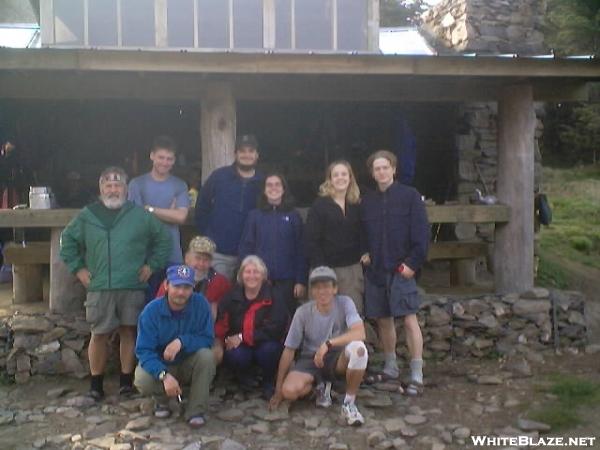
(397,232)
(175,336)
(224,202)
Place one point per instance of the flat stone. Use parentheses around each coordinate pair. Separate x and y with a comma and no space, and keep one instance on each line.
(399,444)
(536,293)
(56,392)
(22,377)
(394,426)
(124,446)
(23,363)
(532,425)
(26,341)
(462,433)
(197,445)
(230,444)
(260,427)
(6,417)
(380,401)
(337,446)
(74,344)
(312,422)
(592,349)
(131,405)
(271,416)
(104,442)
(30,324)
(437,317)
(414,419)
(408,431)
(54,334)
(518,366)
(524,307)
(387,387)
(231,415)
(50,347)
(375,438)
(489,379)
(70,360)
(575,317)
(80,401)
(58,439)
(489,321)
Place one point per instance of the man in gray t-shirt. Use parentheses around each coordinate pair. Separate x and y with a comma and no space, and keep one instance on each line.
(329,334)
(165,196)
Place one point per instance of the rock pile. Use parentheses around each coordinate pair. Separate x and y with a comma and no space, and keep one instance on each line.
(44,344)
(452,327)
(503,325)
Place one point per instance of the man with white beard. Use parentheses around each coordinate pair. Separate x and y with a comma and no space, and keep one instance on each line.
(113,246)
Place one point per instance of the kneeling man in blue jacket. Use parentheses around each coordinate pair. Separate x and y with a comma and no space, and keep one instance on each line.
(175,336)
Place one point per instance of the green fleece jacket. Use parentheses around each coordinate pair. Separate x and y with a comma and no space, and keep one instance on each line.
(115,254)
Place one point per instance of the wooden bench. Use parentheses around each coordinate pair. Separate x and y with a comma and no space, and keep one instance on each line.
(462,257)
(28,269)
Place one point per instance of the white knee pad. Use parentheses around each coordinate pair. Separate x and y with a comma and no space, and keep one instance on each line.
(357,359)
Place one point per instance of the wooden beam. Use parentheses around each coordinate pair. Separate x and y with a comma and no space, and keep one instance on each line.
(217,128)
(31,253)
(456,250)
(162,60)
(46,22)
(160,23)
(513,250)
(373,20)
(44,218)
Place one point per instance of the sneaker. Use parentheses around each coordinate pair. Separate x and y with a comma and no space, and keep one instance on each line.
(162,411)
(323,391)
(95,395)
(352,415)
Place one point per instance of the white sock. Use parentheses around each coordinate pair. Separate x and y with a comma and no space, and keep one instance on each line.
(349,399)
(391,365)
(416,370)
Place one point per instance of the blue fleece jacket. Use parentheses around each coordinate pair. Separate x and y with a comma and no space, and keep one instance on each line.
(276,236)
(397,229)
(158,326)
(223,205)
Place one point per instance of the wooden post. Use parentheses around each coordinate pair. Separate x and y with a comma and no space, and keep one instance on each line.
(513,254)
(67,294)
(373,26)
(27,283)
(217,127)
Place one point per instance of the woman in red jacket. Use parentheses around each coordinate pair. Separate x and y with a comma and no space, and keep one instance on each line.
(251,322)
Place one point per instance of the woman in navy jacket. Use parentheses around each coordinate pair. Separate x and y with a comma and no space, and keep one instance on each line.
(273,231)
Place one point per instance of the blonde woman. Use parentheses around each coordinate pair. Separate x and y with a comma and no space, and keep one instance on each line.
(333,231)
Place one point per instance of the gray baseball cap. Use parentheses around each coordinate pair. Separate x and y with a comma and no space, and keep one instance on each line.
(322,273)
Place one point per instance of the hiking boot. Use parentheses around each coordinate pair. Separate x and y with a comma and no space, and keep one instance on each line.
(323,392)
(162,411)
(127,391)
(95,395)
(351,414)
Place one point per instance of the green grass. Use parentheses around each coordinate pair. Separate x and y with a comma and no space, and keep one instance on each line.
(551,275)
(571,393)
(574,196)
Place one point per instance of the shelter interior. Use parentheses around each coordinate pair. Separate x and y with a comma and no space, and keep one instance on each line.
(297,138)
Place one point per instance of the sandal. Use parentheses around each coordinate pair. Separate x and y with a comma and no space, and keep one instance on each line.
(196,421)
(414,388)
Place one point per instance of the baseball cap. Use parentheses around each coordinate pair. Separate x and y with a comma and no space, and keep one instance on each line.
(202,244)
(246,140)
(180,274)
(322,273)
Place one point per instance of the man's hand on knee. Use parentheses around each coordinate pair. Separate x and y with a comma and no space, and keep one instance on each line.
(172,350)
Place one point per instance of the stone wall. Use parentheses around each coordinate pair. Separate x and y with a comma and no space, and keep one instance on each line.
(486,26)
(452,327)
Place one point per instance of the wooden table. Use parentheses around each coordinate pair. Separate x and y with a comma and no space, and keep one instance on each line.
(66,293)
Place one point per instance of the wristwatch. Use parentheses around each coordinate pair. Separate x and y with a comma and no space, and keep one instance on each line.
(150,209)
(328,344)
(162,375)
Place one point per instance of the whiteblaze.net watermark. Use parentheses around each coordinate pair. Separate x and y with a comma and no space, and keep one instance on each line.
(523,441)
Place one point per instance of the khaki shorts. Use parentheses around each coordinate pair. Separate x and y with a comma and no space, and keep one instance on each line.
(107,310)
(350,282)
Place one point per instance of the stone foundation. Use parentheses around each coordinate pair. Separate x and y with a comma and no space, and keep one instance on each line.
(481,326)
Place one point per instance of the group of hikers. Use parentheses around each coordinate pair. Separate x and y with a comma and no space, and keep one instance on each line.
(279,302)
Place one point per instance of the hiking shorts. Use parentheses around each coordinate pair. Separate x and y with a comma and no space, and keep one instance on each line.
(398,297)
(107,310)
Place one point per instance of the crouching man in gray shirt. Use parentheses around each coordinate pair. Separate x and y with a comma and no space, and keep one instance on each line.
(329,334)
